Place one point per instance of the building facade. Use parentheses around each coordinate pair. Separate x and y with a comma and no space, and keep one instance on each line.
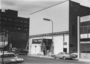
(16,27)
(42,43)
(65,18)
(85,37)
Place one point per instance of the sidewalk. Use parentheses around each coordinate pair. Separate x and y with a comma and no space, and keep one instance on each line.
(46,56)
(84,60)
(40,56)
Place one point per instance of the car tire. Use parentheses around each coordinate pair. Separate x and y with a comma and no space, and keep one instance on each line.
(54,57)
(64,58)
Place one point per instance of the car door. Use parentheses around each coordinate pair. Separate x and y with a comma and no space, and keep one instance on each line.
(60,55)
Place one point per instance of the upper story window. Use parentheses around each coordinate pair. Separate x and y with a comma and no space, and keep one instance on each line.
(16,20)
(25,21)
(4,18)
(16,24)
(21,21)
(89,29)
(85,29)
(0,22)
(0,17)
(25,25)
(18,28)
(10,19)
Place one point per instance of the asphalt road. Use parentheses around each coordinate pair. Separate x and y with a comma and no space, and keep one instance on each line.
(36,60)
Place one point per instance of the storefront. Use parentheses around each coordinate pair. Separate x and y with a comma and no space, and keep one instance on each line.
(43,44)
(85,37)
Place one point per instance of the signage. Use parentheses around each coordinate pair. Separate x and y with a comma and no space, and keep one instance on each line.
(85,18)
(3,44)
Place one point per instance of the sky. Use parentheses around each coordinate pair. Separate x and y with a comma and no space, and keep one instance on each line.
(26,7)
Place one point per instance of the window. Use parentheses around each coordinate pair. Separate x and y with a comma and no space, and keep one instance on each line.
(16,20)
(25,25)
(21,21)
(18,28)
(5,18)
(81,30)
(65,43)
(73,30)
(21,25)
(25,21)
(65,49)
(0,22)
(89,29)
(85,29)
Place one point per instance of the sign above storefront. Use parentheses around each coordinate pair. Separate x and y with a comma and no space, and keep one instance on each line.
(85,18)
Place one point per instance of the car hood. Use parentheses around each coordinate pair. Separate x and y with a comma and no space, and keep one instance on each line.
(12,59)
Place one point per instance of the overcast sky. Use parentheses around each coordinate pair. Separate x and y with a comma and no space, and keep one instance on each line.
(26,7)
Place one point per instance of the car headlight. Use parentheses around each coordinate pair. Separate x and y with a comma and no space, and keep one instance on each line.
(12,59)
(19,59)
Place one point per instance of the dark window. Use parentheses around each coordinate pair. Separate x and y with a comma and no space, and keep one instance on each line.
(85,29)
(73,30)
(81,30)
(88,29)
(65,49)
(36,41)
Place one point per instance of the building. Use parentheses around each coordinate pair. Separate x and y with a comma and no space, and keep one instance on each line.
(16,27)
(65,19)
(61,44)
(84,44)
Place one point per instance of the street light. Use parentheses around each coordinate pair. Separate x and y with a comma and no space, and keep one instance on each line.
(46,19)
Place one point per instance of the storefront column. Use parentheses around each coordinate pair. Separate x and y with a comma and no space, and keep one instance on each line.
(78,36)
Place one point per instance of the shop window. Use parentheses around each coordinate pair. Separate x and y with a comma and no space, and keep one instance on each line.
(65,49)
(65,43)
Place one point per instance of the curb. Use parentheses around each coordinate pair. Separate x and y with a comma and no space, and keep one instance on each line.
(40,56)
(84,60)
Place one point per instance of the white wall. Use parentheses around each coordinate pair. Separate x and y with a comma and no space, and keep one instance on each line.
(58,44)
(59,14)
(67,40)
(85,18)
(35,48)
(32,49)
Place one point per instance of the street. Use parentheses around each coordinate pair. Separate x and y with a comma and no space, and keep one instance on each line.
(37,60)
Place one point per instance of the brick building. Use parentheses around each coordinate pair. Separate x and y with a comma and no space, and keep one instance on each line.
(17,28)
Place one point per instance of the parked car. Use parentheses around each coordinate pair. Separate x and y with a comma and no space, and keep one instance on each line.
(64,55)
(20,51)
(10,58)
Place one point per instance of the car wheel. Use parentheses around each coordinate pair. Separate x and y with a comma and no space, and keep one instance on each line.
(71,58)
(54,57)
(64,58)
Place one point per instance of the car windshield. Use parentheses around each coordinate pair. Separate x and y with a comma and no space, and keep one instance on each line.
(8,55)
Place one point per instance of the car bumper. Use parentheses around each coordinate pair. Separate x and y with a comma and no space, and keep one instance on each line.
(14,62)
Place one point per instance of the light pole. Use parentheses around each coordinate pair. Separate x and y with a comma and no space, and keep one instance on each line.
(35,49)
(46,19)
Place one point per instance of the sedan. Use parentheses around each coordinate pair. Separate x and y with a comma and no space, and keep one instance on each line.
(10,58)
(64,55)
